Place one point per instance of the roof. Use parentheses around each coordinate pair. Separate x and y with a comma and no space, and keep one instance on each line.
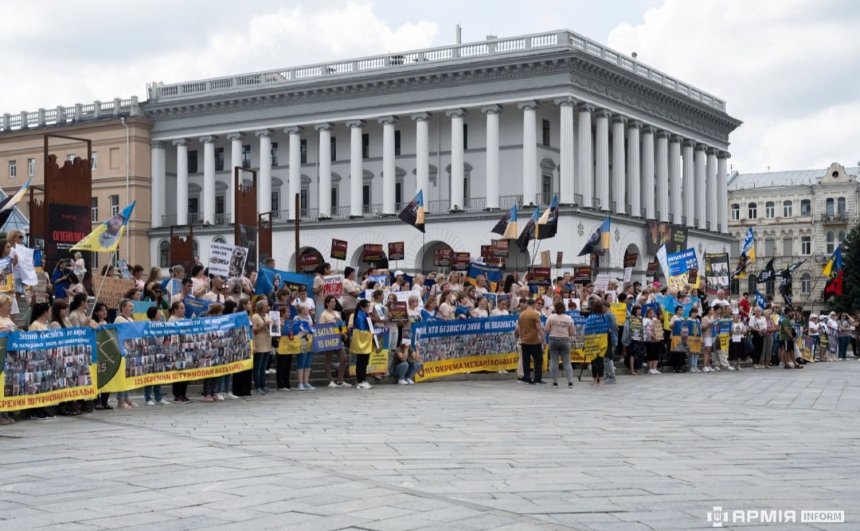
(744,181)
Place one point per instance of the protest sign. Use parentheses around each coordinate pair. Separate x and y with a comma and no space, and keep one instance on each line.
(683,269)
(274,323)
(111,290)
(461,261)
(26,265)
(442,257)
(7,279)
(601,283)
(687,336)
(500,248)
(227,260)
(333,286)
(558,259)
(464,346)
(582,275)
(635,325)
(328,337)
(492,274)
(628,275)
(539,276)
(596,332)
(46,368)
(372,252)
(398,312)
(404,296)
(135,355)
(269,280)
(545,258)
(722,330)
(577,342)
(396,251)
(338,249)
(716,272)
(619,310)
(195,307)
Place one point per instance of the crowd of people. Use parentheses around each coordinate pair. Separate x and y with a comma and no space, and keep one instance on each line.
(283,320)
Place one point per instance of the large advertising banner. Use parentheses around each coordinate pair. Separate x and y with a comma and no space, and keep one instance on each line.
(46,368)
(135,355)
(69,225)
(464,346)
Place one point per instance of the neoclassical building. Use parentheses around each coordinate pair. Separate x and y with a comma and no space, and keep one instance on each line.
(478,127)
(796,215)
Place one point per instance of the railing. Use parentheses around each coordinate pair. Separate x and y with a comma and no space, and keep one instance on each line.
(550,41)
(612,205)
(543,199)
(595,203)
(577,199)
(507,201)
(839,217)
(683,220)
(72,114)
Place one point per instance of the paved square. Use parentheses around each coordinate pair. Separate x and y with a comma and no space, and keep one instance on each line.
(654,452)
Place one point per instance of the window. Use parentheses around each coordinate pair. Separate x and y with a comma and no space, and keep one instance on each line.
(546,188)
(366,198)
(365,146)
(840,238)
(840,206)
(787,247)
(806,245)
(303,149)
(770,247)
(736,247)
(752,210)
(94,209)
(831,239)
(303,201)
(829,207)
(770,287)
(735,286)
(276,203)
(219,159)
(274,152)
(805,283)
(334,199)
(192,161)
(31,167)
(71,156)
(398,194)
(114,205)
(786,209)
(193,207)
(113,156)
(397,143)
(219,210)
(769,209)
(546,133)
(736,212)
(94,160)
(246,156)
(163,254)
(13,169)
(805,207)
(465,137)
(333,149)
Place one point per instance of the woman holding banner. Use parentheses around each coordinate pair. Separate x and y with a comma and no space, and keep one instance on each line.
(260,324)
(126,315)
(332,316)
(559,327)
(653,335)
(707,340)
(361,343)
(6,325)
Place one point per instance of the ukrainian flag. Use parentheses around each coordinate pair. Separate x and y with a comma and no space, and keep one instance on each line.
(362,337)
(106,237)
(835,263)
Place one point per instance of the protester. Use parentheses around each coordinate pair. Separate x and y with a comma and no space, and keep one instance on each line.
(180,389)
(405,364)
(361,343)
(331,316)
(559,327)
(531,339)
(260,323)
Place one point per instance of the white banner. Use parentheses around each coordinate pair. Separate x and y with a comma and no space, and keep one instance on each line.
(227,260)
(26,269)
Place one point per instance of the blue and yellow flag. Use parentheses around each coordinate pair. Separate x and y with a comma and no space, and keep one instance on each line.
(507,226)
(599,240)
(834,264)
(106,237)
(413,213)
(361,341)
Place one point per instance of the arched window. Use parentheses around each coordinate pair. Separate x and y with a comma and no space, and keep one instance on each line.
(752,210)
(219,239)
(769,209)
(736,212)
(805,283)
(786,209)
(831,238)
(164,254)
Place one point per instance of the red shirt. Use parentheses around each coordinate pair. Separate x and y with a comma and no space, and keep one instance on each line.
(744,308)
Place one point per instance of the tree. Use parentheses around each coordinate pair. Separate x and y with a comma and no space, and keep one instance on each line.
(849,301)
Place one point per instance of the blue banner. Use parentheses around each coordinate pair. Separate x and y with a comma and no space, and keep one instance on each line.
(195,307)
(327,337)
(682,261)
(271,280)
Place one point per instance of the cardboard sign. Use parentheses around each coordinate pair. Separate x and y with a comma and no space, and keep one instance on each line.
(110,290)
(461,261)
(558,259)
(582,275)
(309,262)
(539,276)
(500,248)
(227,260)
(338,249)
(372,252)
(333,286)
(398,312)
(545,259)
(396,251)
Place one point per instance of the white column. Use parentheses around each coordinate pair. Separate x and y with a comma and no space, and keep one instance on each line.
(457,191)
(584,164)
(601,152)
(689,184)
(264,177)
(675,179)
(208,179)
(700,186)
(356,169)
(663,175)
(492,152)
(181,182)
(388,175)
(566,186)
(422,154)
(648,171)
(618,165)
(713,206)
(530,180)
(159,193)
(295,175)
(324,170)
(634,196)
(235,160)
(723,191)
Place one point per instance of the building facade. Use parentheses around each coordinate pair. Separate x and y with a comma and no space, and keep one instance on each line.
(120,161)
(796,215)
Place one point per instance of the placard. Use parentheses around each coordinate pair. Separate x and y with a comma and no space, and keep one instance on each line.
(309,262)
(582,275)
(111,290)
(486,252)
(630,258)
(539,276)
(558,259)
(338,249)
(545,259)
(601,283)
(372,252)
(227,260)
(396,251)
(333,286)
(500,248)
(442,257)
(628,274)
(461,261)
(398,312)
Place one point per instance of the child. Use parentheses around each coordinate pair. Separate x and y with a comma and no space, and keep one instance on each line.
(405,365)
(303,364)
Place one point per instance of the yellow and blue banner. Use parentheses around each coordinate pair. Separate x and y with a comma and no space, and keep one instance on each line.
(106,237)
(599,240)
(507,226)
(413,213)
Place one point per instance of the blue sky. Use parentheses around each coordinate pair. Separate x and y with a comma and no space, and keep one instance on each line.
(787,68)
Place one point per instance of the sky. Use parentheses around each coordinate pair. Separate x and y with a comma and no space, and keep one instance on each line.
(787,68)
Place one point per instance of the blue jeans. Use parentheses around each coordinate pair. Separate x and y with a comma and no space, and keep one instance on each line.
(260,359)
(303,360)
(405,370)
(150,390)
(843,346)
(225,384)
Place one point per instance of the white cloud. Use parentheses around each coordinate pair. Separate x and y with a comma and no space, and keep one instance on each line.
(787,68)
(281,38)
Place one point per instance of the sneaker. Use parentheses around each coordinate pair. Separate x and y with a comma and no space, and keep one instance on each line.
(163,402)
(730,368)
(402,382)
(309,387)
(738,368)
(364,385)
(271,371)
(344,385)
(301,387)
(150,402)
(570,385)
(410,381)
(219,397)
(715,368)
(208,398)
(332,384)
(231,396)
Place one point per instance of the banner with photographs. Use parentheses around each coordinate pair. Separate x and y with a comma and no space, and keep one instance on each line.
(582,275)
(396,251)
(577,342)
(464,346)
(271,280)
(442,257)
(658,233)
(338,249)
(135,355)
(248,240)
(227,260)
(46,368)
(716,272)
(687,336)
